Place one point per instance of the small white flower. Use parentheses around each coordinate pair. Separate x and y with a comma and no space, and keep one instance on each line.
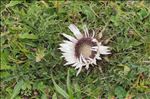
(83,49)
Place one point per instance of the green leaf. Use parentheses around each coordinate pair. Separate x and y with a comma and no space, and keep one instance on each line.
(7,67)
(13,3)
(143,13)
(126,69)
(88,12)
(26,85)
(41,87)
(4,74)
(17,89)
(4,57)
(27,36)
(43,96)
(115,20)
(54,96)
(126,43)
(60,90)
(120,92)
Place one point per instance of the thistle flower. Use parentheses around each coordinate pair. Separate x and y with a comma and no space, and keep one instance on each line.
(82,50)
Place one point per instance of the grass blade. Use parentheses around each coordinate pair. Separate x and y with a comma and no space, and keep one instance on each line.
(60,90)
(70,91)
(17,89)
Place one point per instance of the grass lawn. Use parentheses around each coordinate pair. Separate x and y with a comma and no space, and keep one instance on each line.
(31,63)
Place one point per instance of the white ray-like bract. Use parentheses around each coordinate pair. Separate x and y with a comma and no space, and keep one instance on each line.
(82,50)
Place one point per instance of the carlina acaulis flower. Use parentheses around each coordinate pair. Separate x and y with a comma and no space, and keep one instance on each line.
(82,50)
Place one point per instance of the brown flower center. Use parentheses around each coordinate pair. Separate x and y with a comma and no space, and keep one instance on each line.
(85,50)
(83,46)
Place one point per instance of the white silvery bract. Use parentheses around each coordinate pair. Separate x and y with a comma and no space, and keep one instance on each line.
(83,49)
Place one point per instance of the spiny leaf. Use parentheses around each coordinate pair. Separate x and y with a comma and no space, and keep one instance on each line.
(120,92)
